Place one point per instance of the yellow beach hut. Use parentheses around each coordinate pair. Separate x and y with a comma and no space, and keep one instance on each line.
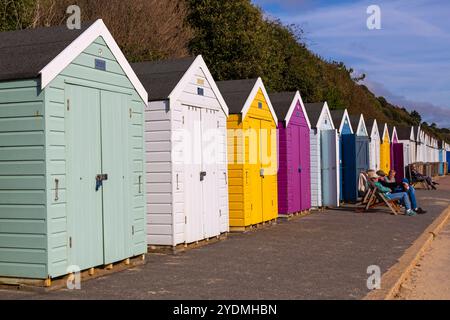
(252,153)
(385,150)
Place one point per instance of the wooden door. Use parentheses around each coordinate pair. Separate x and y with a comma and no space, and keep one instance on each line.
(349,158)
(305,165)
(193,195)
(268,171)
(253,174)
(211,179)
(83,154)
(330,172)
(116,190)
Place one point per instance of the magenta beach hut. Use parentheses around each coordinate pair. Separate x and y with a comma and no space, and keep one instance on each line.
(294,176)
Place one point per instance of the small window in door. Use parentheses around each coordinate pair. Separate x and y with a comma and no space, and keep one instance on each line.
(200,91)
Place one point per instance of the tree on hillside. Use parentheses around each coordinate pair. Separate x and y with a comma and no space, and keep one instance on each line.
(234,39)
(416,117)
(16,14)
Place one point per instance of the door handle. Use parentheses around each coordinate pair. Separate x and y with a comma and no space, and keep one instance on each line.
(99,181)
(261,173)
(299,169)
(202,175)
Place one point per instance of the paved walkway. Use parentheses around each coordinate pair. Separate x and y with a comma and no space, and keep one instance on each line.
(322,256)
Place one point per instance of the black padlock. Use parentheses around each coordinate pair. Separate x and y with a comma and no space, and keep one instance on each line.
(98,182)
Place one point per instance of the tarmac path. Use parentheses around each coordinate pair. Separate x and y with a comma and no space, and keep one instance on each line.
(321,256)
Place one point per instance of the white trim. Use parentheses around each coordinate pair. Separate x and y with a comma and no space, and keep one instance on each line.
(362,125)
(412,135)
(394,133)
(346,115)
(386,131)
(199,63)
(375,127)
(326,109)
(248,103)
(64,58)
(298,98)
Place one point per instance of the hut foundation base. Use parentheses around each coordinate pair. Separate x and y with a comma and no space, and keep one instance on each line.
(186,246)
(51,284)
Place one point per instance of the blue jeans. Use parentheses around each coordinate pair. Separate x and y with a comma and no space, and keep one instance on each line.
(403,197)
(412,196)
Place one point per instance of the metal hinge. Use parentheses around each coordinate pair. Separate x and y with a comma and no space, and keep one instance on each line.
(68,104)
(185,219)
(70,242)
(132,230)
(131,113)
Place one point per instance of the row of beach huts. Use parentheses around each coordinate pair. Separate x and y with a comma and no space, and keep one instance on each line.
(102,160)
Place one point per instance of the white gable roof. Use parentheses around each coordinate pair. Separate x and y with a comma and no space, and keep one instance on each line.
(297,98)
(325,113)
(375,131)
(362,126)
(386,133)
(199,63)
(63,59)
(248,103)
(346,117)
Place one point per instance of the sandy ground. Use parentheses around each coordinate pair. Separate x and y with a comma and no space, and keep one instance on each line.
(430,280)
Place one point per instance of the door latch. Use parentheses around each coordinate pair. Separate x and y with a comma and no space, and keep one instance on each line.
(202,175)
(299,169)
(261,173)
(99,181)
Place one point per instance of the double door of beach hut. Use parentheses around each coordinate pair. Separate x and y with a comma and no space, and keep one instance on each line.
(98,176)
(398,163)
(356,159)
(257,173)
(201,175)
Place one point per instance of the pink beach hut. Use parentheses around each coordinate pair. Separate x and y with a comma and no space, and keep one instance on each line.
(294,176)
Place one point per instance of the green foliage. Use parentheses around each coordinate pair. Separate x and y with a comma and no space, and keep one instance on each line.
(416,117)
(236,39)
(16,14)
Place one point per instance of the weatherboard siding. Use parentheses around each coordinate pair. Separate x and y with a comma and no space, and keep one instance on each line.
(158,137)
(82,72)
(23,228)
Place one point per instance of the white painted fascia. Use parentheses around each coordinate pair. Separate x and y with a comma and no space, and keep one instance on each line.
(346,116)
(362,125)
(248,103)
(325,111)
(199,62)
(297,98)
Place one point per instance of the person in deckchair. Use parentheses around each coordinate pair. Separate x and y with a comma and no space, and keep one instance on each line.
(390,182)
(402,196)
(417,176)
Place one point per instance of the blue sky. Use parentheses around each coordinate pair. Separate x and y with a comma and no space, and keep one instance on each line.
(407,60)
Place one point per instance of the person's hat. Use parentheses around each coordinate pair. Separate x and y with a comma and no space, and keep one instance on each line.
(373,175)
(381,173)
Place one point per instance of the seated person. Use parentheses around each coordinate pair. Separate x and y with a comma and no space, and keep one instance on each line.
(390,182)
(402,196)
(417,176)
